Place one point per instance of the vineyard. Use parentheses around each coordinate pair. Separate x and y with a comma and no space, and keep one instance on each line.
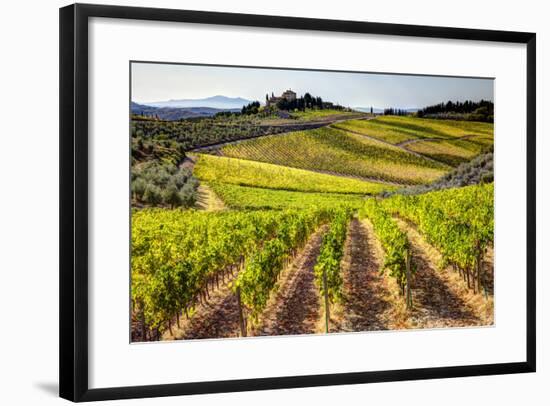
(459,223)
(261,175)
(395,130)
(303,240)
(190,134)
(244,197)
(453,152)
(339,152)
(320,114)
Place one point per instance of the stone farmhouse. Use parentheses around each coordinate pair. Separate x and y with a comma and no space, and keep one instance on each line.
(289,95)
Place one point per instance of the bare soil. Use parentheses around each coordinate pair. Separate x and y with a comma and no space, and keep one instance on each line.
(208,200)
(295,308)
(440,296)
(188,162)
(488,269)
(216,318)
(371,301)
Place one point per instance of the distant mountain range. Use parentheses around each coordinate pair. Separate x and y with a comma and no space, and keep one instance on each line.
(176,113)
(215,102)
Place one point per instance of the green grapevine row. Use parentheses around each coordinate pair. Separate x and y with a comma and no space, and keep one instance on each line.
(177,254)
(458,222)
(263,267)
(330,256)
(394,241)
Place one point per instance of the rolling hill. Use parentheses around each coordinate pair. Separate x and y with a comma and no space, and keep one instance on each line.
(175,113)
(215,102)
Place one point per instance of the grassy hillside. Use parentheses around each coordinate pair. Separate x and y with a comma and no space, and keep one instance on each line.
(244,197)
(397,129)
(311,114)
(337,151)
(258,174)
(452,152)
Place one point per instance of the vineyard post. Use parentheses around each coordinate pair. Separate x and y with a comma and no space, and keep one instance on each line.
(142,323)
(485,291)
(325,288)
(408,267)
(479,268)
(241,318)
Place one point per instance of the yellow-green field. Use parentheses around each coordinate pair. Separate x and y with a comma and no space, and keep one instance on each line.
(242,172)
(245,197)
(311,114)
(397,129)
(340,152)
(452,152)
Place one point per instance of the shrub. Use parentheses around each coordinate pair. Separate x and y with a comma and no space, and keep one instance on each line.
(138,188)
(152,194)
(188,195)
(171,196)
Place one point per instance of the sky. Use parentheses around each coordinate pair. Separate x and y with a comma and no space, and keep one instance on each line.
(153,82)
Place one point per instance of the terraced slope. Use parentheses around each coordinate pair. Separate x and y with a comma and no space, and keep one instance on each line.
(398,130)
(339,152)
(242,172)
(452,152)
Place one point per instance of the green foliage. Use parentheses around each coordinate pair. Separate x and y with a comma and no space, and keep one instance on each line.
(468,110)
(167,140)
(459,222)
(251,108)
(263,267)
(175,253)
(152,195)
(138,187)
(157,184)
(171,196)
(188,194)
(330,256)
(393,240)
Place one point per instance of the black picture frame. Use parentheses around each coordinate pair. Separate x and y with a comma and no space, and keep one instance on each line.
(73,281)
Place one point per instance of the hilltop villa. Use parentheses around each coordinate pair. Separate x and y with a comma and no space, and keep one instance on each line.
(289,95)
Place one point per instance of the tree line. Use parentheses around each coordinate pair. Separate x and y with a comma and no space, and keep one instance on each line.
(467,106)
(307,101)
(482,110)
(469,110)
(395,112)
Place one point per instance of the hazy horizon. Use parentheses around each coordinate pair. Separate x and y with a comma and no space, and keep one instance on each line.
(154,82)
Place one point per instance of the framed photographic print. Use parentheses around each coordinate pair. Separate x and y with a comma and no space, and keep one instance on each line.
(297,202)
